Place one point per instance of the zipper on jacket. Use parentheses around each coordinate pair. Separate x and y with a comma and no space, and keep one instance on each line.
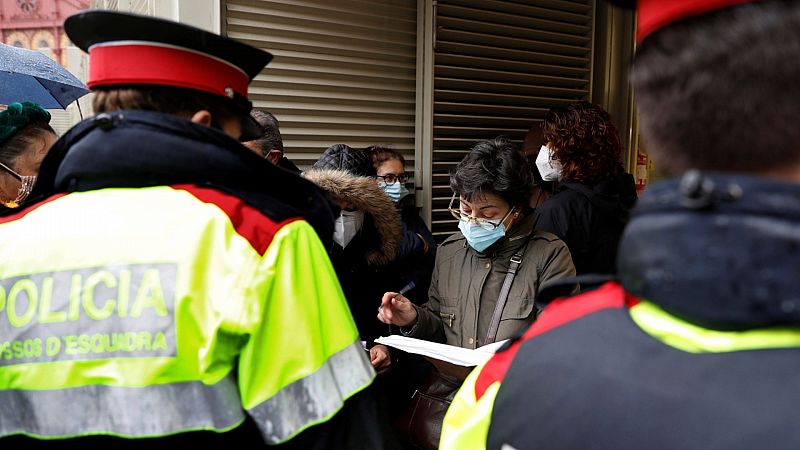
(449,317)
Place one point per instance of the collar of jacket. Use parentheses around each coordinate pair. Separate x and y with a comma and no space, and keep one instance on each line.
(145,148)
(365,195)
(717,250)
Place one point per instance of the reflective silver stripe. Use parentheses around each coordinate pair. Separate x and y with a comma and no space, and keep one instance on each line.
(314,398)
(127,411)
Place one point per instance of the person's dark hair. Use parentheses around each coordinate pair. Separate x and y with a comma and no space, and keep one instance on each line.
(584,141)
(166,99)
(720,91)
(496,167)
(382,154)
(23,140)
(271,140)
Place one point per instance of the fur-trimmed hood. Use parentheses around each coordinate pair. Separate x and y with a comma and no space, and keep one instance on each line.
(365,195)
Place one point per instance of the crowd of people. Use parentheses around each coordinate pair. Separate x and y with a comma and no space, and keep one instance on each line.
(167,274)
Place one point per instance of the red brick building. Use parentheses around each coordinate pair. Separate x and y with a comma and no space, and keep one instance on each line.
(38,24)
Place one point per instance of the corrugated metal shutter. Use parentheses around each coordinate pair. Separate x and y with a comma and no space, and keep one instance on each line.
(499,67)
(344,71)
(144,7)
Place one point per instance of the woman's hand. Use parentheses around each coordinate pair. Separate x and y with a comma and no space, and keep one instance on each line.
(380,358)
(397,310)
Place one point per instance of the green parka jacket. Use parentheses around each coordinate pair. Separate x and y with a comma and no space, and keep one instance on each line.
(466,284)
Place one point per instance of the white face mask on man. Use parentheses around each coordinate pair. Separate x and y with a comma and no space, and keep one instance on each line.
(549,167)
(347,226)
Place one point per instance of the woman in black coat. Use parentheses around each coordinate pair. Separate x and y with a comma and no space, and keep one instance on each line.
(592,203)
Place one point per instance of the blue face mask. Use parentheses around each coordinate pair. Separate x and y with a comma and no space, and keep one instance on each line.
(478,237)
(396,191)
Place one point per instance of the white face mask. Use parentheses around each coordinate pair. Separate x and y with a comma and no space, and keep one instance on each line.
(549,167)
(346,226)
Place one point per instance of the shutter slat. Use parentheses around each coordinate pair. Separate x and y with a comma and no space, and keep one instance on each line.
(463,48)
(527,79)
(512,66)
(545,23)
(343,72)
(364,12)
(508,87)
(528,7)
(512,43)
(502,99)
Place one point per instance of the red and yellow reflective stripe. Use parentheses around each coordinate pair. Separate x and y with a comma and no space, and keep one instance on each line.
(692,338)
(466,424)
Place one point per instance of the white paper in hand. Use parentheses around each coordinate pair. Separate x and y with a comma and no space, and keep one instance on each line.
(454,355)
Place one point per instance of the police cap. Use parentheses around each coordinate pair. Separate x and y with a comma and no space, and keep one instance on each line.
(656,14)
(130,49)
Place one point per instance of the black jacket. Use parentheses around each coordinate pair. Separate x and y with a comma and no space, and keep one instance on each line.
(144,148)
(362,266)
(412,262)
(720,255)
(139,149)
(590,220)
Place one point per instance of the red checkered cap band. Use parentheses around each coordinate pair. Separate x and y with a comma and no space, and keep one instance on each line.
(656,14)
(121,63)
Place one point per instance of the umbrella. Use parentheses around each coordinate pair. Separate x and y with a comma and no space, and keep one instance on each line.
(29,75)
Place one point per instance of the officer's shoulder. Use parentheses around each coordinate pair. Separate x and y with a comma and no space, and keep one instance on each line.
(560,313)
(564,310)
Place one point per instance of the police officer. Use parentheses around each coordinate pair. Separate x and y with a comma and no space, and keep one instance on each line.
(164,287)
(698,345)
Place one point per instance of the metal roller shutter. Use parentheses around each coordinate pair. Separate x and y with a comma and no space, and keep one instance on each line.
(344,71)
(499,66)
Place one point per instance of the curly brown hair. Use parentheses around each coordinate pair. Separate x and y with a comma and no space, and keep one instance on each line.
(584,141)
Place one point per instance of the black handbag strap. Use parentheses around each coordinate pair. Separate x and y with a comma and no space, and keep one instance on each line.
(513,267)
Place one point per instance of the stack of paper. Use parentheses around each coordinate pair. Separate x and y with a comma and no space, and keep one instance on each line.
(454,355)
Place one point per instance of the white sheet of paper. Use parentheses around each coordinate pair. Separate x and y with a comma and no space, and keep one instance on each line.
(454,355)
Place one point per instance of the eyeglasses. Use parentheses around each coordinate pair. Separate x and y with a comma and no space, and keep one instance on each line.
(26,186)
(11,171)
(486,224)
(390,178)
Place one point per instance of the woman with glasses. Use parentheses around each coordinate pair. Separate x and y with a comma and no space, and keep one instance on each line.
(417,251)
(486,278)
(491,188)
(25,138)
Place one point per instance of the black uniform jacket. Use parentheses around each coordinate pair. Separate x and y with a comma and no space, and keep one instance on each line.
(142,148)
(719,253)
(590,220)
